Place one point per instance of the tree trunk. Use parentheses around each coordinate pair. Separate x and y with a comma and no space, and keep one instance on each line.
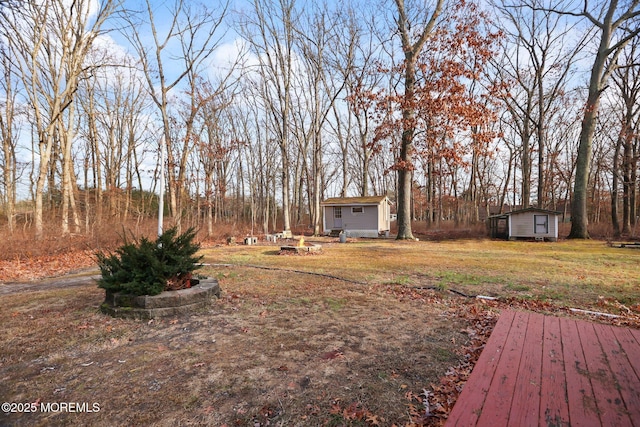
(405,159)
(286,209)
(8,142)
(404,162)
(45,143)
(68,178)
(633,206)
(604,62)
(579,212)
(614,188)
(628,165)
(541,129)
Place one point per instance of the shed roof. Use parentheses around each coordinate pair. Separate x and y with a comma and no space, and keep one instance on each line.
(525,210)
(370,200)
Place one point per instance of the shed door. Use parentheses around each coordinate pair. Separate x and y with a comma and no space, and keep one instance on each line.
(541,224)
(337,217)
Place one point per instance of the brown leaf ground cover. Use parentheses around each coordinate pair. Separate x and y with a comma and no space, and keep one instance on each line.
(315,352)
(35,267)
(358,335)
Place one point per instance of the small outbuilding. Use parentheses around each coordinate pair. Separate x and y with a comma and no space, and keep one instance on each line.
(528,223)
(357,216)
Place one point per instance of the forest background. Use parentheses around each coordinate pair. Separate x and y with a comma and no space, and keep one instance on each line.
(263,108)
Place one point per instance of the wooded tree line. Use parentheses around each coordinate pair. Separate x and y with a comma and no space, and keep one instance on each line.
(266,107)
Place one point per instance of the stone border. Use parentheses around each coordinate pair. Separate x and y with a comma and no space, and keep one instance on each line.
(167,303)
(312,248)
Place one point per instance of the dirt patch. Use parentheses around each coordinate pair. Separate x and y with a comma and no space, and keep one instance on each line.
(307,351)
(83,278)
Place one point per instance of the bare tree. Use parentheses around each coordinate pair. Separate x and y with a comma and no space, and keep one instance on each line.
(355,52)
(625,161)
(197,31)
(9,136)
(323,88)
(537,62)
(116,126)
(217,148)
(51,41)
(271,34)
(618,25)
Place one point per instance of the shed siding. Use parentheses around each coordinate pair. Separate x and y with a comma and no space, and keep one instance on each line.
(523,225)
(359,221)
(384,217)
(328,218)
(350,220)
(374,218)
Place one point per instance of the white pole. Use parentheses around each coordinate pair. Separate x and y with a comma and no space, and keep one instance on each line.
(161,198)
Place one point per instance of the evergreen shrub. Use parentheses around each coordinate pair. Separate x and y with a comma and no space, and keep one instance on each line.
(146,267)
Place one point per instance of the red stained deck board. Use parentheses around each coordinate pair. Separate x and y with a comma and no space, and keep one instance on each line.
(610,404)
(495,410)
(554,410)
(619,363)
(631,347)
(472,398)
(583,410)
(548,371)
(526,398)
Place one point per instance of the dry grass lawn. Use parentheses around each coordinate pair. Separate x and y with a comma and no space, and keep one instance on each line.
(584,274)
(352,336)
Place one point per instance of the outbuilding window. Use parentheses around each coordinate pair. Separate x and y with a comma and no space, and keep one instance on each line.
(541,224)
(357,209)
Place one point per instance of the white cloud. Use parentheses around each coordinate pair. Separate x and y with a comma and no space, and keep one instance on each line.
(230,55)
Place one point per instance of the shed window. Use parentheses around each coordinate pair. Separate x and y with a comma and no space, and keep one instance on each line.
(357,209)
(337,212)
(541,224)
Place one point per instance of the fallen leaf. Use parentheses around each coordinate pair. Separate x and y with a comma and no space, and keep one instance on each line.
(330,355)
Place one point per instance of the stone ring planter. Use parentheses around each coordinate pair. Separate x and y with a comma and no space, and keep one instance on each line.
(305,247)
(167,303)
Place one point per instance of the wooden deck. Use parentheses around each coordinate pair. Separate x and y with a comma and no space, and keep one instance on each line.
(548,371)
